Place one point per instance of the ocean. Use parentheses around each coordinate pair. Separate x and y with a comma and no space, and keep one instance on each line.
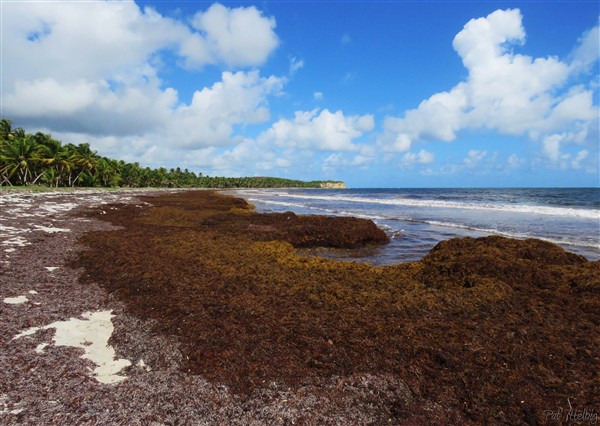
(417,219)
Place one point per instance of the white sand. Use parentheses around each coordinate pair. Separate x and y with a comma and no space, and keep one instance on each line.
(52,207)
(16,241)
(40,348)
(90,334)
(51,230)
(15,300)
(143,365)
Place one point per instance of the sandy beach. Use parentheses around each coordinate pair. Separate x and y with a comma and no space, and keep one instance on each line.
(186,307)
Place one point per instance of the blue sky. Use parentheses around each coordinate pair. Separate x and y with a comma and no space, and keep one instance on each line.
(378,94)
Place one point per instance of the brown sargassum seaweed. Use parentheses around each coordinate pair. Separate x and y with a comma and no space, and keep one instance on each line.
(497,329)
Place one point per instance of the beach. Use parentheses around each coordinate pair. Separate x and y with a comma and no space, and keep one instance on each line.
(416,219)
(189,307)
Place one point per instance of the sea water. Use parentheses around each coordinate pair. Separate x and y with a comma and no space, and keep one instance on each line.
(417,219)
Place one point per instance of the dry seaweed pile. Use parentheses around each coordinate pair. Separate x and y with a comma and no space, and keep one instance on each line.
(495,329)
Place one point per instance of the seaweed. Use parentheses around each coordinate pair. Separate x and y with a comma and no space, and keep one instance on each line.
(496,329)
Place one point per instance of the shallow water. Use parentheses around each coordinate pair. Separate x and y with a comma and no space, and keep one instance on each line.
(417,219)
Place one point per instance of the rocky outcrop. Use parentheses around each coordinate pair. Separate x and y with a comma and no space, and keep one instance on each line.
(333,185)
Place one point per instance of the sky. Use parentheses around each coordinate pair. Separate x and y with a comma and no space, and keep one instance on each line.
(374,93)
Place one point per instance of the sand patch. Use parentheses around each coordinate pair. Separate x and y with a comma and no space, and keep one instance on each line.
(58,207)
(143,365)
(16,241)
(50,229)
(15,300)
(90,334)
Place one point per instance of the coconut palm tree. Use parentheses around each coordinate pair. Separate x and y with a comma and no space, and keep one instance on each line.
(19,132)
(20,158)
(5,129)
(85,159)
(108,172)
(54,156)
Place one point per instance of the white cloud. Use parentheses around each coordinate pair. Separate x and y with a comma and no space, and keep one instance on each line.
(300,145)
(38,97)
(96,40)
(422,157)
(401,143)
(514,162)
(505,92)
(581,155)
(551,146)
(318,96)
(474,157)
(332,163)
(326,131)
(587,51)
(558,157)
(366,155)
(345,39)
(295,64)
(238,37)
(238,98)
(92,69)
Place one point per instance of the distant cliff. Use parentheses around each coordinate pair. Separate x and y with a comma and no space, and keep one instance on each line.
(333,185)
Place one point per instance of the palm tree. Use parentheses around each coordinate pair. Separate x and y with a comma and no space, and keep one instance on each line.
(19,132)
(20,157)
(52,154)
(5,129)
(108,172)
(85,159)
(90,179)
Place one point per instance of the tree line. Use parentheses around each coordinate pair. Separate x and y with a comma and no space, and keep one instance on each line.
(38,159)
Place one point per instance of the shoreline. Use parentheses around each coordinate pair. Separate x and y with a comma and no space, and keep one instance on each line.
(371,344)
(417,220)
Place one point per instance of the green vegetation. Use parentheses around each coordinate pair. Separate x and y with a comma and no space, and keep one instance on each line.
(39,159)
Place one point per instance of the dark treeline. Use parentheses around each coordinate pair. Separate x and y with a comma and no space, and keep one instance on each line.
(39,159)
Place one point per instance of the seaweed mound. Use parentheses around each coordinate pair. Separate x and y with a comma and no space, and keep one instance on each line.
(488,330)
(465,261)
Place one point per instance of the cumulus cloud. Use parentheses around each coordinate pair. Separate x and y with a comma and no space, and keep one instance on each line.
(238,98)
(321,141)
(474,157)
(331,131)
(78,66)
(240,37)
(367,154)
(506,92)
(514,162)
(422,157)
(551,145)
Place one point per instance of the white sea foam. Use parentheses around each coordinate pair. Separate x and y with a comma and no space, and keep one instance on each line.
(521,208)
(320,209)
(511,234)
(278,203)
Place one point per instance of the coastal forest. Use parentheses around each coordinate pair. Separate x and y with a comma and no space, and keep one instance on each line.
(39,159)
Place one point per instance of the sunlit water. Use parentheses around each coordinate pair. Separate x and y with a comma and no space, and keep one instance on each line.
(417,219)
